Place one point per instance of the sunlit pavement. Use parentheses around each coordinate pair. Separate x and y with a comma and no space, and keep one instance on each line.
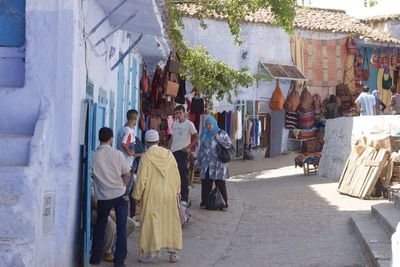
(276,217)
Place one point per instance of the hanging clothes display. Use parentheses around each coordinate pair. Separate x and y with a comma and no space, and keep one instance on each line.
(229,123)
(180,98)
(221,120)
(239,132)
(385,94)
(291,120)
(196,109)
(248,131)
(234,125)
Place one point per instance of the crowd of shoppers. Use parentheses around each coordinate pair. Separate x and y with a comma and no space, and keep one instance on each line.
(156,181)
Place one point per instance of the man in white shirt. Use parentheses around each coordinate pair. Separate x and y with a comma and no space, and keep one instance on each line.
(111,174)
(366,103)
(184,137)
(126,136)
(126,142)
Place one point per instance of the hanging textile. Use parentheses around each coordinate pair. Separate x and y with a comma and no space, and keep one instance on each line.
(180,98)
(291,120)
(326,55)
(221,120)
(234,125)
(248,131)
(296,51)
(170,122)
(385,94)
(239,132)
(229,123)
(349,79)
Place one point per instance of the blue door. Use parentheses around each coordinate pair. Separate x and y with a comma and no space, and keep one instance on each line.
(120,96)
(100,110)
(111,111)
(134,75)
(12,21)
(127,91)
(87,170)
(139,132)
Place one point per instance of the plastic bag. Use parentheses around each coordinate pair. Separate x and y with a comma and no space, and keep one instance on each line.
(184,213)
(215,200)
(277,100)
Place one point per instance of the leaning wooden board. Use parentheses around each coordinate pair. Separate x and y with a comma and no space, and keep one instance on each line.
(362,172)
(352,172)
(350,168)
(376,167)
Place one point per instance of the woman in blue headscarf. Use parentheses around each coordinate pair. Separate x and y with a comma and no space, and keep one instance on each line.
(212,169)
(378,103)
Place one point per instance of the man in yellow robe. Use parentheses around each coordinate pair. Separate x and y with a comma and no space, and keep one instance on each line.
(157,190)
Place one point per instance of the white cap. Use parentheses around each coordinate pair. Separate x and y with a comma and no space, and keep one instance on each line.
(151,136)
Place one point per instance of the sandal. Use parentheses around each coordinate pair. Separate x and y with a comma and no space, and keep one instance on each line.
(173,258)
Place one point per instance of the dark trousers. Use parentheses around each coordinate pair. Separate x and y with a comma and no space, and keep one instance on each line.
(207,185)
(181,158)
(120,205)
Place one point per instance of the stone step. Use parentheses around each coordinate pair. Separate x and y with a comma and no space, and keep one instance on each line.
(397,200)
(387,215)
(14,149)
(15,193)
(375,243)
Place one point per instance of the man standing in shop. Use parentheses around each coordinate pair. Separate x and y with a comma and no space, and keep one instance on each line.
(366,103)
(184,137)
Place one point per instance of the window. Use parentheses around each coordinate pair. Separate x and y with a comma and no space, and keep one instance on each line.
(12,42)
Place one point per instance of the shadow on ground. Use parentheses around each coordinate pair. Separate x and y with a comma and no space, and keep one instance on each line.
(277,217)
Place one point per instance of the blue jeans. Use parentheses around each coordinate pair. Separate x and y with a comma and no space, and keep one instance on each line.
(104,207)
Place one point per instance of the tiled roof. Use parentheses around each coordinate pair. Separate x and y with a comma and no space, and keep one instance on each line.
(379,19)
(313,19)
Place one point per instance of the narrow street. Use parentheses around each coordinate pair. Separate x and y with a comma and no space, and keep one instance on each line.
(277,217)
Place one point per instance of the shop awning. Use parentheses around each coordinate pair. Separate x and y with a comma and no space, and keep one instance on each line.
(139,17)
(284,72)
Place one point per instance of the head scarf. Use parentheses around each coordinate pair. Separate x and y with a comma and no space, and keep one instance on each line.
(375,93)
(214,131)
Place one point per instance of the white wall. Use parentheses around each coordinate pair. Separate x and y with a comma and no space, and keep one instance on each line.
(342,133)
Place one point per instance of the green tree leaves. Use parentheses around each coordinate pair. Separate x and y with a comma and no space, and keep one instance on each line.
(213,77)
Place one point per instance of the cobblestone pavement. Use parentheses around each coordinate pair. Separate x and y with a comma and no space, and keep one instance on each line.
(277,217)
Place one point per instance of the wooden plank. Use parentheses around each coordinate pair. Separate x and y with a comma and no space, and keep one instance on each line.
(361,173)
(368,170)
(386,174)
(348,173)
(352,182)
(383,156)
(345,173)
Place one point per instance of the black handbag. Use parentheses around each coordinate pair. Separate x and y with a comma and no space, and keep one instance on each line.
(215,200)
(225,155)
